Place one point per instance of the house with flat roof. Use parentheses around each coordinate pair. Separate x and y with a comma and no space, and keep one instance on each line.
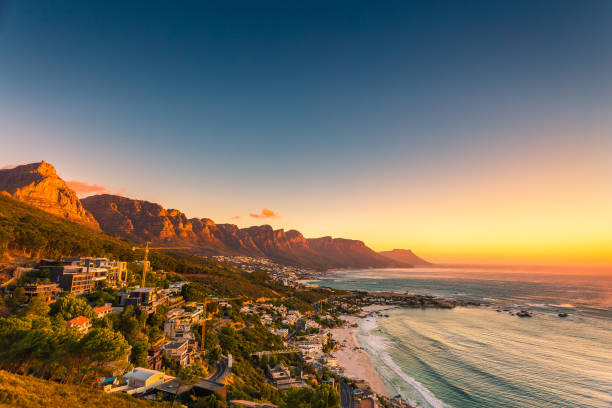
(49,292)
(280,377)
(179,351)
(143,377)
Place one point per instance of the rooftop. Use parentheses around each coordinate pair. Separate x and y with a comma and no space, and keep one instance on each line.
(79,320)
(143,374)
(209,385)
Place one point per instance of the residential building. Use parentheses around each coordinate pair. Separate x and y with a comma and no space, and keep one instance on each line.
(103,311)
(143,377)
(179,351)
(280,376)
(284,333)
(68,274)
(78,283)
(311,324)
(176,328)
(81,323)
(113,273)
(146,299)
(49,292)
(177,286)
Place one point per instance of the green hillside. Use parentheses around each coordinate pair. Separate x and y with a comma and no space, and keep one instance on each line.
(28,230)
(27,391)
(37,234)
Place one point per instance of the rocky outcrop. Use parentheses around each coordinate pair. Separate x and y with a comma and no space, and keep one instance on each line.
(405,255)
(144,221)
(39,185)
(350,253)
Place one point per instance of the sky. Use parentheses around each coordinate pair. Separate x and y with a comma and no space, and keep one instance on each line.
(469,132)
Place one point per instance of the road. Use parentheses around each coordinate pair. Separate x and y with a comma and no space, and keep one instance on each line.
(222,370)
(346,395)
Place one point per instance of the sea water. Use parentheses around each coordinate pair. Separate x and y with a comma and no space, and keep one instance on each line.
(482,357)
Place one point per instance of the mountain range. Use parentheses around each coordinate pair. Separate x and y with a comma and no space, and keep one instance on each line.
(39,185)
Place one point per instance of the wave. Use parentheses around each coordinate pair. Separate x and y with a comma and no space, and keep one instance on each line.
(427,395)
(376,346)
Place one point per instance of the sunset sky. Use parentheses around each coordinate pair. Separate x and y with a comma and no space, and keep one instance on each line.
(476,132)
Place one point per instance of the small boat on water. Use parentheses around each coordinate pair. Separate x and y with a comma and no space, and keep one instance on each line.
(562,315)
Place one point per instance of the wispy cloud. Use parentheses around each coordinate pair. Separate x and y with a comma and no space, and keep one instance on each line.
(266,213)
(83,187)
(235,217)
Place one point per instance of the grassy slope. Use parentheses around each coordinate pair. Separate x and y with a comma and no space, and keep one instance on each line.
(25,391)
(37,233)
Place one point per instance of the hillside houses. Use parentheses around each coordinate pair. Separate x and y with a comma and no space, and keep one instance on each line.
(80,323)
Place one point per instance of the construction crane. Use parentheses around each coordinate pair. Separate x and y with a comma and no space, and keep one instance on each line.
(205,317)
(320,303)
(146,249)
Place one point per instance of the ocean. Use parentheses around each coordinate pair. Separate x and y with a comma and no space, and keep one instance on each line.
(482,357)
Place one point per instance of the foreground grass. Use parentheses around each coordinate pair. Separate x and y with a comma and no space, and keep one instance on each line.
(26,391)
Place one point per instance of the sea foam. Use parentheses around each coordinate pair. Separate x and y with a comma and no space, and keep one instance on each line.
(376,346)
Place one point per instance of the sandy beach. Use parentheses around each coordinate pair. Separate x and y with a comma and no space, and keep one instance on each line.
(356,362)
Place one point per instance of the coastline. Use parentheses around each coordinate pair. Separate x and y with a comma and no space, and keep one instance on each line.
(355,361)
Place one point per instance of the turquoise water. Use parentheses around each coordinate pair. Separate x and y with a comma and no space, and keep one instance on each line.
(478,357)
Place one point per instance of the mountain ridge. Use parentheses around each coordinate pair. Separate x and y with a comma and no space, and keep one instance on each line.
(39,185)
(141,221)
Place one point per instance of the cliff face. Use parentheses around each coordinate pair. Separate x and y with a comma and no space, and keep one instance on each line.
(39,185)
(144,221)
(350,253)
(405,255)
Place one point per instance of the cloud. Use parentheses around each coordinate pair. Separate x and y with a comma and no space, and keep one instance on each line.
(235,217)
(266,213)
(82,187)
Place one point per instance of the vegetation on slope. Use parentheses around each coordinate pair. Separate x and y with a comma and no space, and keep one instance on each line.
(35,341)
(38,234)
(27,391)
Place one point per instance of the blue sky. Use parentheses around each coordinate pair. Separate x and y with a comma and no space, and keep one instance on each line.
(352,119)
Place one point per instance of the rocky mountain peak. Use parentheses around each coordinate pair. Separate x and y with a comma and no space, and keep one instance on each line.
(39,185)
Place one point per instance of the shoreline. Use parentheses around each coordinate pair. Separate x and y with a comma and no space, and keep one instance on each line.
(355,361)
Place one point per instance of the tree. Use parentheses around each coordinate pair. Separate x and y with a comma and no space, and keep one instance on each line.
(17,299)
(326,397)
(36,308)
(212,401)
(140,353)
(68,306)
(227,339)
(188,375)
(103,346)
(214,355)
(299,397)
